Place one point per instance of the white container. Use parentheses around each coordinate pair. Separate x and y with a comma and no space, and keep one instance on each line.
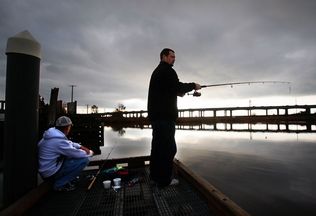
(117,181)
(107,184)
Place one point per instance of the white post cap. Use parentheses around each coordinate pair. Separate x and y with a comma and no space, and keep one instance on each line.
(24,43)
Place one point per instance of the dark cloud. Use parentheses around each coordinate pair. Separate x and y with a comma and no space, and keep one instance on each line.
(108,49)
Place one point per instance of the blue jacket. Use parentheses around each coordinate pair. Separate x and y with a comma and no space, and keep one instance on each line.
(53,148)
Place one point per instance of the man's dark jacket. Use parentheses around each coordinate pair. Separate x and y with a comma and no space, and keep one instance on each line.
(164,88)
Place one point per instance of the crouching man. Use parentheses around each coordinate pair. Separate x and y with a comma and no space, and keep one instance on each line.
(61,160)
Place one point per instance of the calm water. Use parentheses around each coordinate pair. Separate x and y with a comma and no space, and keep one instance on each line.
(265,173)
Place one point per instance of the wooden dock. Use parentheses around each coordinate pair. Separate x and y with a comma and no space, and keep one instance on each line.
(193,195)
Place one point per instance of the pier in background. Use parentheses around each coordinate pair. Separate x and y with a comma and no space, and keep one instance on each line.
(292,118)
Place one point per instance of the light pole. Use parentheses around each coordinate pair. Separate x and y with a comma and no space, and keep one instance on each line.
(72,92)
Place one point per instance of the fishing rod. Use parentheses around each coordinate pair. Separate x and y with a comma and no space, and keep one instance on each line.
(92,182)
(198,94)
(95,177)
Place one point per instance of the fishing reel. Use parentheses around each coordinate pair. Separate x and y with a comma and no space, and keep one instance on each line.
(195,94)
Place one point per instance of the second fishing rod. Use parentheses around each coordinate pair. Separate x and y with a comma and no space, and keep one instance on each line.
(198,94)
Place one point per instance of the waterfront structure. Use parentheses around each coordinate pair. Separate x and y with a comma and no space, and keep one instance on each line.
(21,116)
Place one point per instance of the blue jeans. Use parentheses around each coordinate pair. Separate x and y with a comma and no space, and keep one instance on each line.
(163,150)
(70,169)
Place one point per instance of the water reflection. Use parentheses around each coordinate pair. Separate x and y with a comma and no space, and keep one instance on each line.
(265,173)
(135,142)
(247,127)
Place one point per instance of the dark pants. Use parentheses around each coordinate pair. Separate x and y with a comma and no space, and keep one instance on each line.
(163,150)
(70,169)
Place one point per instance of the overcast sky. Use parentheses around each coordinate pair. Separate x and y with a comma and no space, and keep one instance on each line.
(108,49)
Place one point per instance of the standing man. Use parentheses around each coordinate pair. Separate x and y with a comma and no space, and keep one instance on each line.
(61,160)
(162,108)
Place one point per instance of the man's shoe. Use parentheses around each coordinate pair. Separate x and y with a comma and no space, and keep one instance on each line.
(75,181)
(174,182)
(67,187)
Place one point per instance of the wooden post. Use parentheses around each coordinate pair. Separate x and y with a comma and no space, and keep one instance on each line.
(21,116)
(52,107)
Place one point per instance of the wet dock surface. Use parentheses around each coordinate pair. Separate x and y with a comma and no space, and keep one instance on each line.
(140,198)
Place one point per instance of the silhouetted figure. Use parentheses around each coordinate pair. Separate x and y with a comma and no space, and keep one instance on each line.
(162,107)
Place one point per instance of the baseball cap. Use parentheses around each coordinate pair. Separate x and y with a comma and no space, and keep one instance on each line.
(63,121)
